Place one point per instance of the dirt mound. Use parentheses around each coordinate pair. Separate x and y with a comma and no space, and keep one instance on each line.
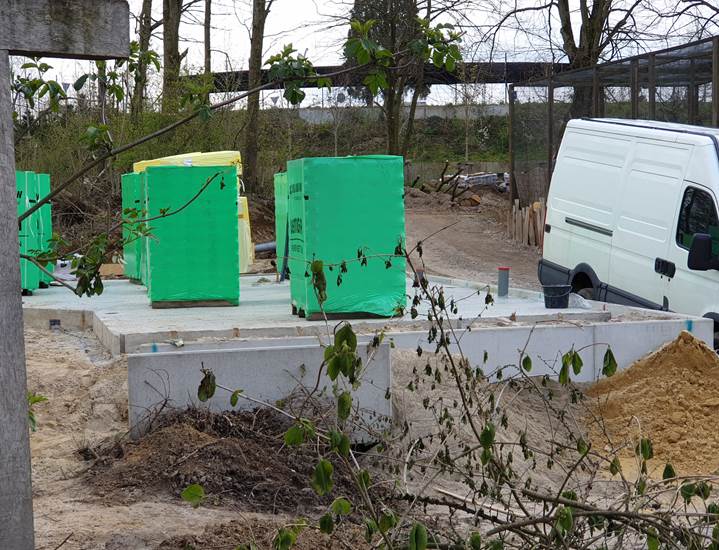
(260,533)
(237,457)
(670,396)
(262,218)
(418,199)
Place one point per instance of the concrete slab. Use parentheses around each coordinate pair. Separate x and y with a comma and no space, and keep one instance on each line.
(169,380)
(123,319)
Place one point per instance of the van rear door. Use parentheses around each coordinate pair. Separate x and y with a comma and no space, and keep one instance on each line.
(653,180)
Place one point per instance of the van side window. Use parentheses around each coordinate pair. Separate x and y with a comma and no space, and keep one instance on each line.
(697,215)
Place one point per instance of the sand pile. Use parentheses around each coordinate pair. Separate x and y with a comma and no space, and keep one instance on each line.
(674,394)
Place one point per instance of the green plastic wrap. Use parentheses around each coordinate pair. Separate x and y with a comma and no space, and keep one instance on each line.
(131,199)
(193,255)
(336,207)
(281,219)
(27,192)
(44,222)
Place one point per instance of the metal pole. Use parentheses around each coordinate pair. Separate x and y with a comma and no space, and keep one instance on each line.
(715,82)
(550,130)
(635,89)
(652,70)
(513,192)
(595,92)
(692,94)
(16,522)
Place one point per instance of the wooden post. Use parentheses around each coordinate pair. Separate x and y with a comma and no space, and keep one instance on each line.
(82,29)
(550,131)
(16,524)
(652,77)
(635,89)
(715,82)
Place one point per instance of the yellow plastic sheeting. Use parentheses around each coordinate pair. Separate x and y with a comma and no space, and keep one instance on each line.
(247,247)
(213,158)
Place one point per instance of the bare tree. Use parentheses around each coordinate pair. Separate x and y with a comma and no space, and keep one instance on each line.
(260,11)
(144,31)
(208,46)
(171,15)
(584,32)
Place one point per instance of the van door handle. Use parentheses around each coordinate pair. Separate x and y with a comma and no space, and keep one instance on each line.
(665,267)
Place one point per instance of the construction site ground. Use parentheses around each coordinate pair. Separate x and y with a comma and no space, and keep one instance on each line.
(94,489)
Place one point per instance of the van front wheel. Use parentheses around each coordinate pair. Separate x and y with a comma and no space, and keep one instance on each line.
(586,293)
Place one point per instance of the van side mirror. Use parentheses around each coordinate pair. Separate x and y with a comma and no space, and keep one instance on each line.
(700,253)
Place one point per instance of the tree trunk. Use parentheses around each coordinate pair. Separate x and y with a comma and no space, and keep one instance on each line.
(144,32)
(16,522)
(260,10)
(171,13)
(208,50)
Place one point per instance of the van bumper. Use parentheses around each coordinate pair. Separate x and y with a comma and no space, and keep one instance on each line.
(550,273)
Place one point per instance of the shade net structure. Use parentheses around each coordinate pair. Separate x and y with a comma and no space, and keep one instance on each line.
(679,84)
(340,209)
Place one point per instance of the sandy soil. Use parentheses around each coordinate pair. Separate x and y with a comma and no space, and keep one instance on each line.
(474,247)
(87,403)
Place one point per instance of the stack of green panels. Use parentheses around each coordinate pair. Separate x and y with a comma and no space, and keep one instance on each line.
(131,201)
(193,253)
(336,207)
(281,247)
(44,223)
(26,186)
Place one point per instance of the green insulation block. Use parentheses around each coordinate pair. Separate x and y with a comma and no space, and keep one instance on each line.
(336,208)
(27,192)
(281,245)
(131,204)
(44,222)
(193,253)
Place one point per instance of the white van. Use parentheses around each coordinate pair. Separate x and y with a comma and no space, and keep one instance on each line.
(632,215)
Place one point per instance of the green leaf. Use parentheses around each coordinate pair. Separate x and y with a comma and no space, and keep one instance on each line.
(610,363)
(652,541)
(645,449)
(564,520)
(564,374)
(577,363)
(687,491)
(327,524)
(344,406)
(582,447)
(418,537)
(339,443)
(80,82)
(486,438)
(207,386)
(322,479)
(341,506)
(703,489)
(284,539)
(295,436)
(526,363)
(475,541)
(194,494)
(364,479)
(615,467)
(235,397)
(669,472)
(346,335)
(387,521)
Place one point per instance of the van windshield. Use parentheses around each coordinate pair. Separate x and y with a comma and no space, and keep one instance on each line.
(698,215)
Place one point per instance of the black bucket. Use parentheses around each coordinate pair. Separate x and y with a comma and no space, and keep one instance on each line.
(556,296)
